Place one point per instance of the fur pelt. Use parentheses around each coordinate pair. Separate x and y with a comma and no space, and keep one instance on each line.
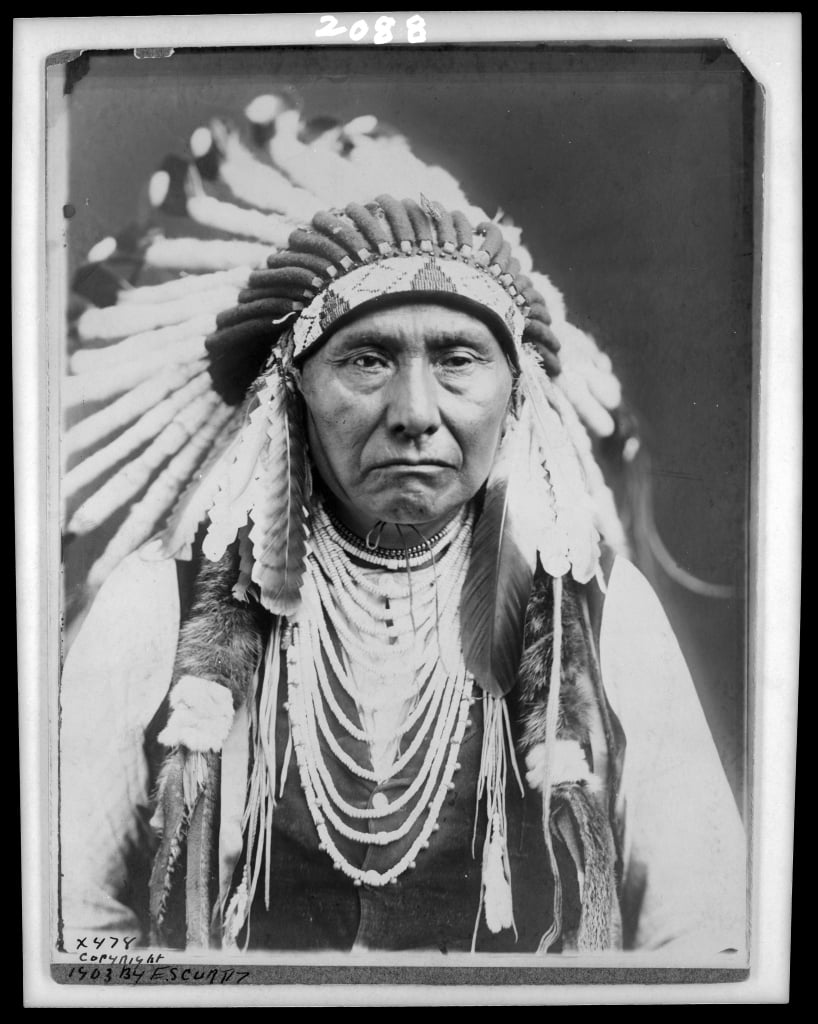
(576,694)
(222,638)
(579,817)
(201,717)
(220,642)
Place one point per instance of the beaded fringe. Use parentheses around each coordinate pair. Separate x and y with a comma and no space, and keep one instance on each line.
(498,748)
(257,822)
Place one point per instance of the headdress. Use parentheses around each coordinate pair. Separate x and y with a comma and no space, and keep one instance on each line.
(237,243)
(255,252)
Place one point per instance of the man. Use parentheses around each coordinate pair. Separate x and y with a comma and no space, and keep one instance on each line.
(411,705)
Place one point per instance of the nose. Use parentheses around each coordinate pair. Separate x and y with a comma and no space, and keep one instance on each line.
(412,409)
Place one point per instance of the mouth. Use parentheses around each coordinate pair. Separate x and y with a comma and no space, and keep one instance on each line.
(413,464)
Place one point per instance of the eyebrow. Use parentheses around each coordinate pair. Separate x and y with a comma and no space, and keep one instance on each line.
(439,339)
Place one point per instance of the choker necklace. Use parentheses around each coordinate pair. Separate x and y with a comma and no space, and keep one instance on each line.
(389,558)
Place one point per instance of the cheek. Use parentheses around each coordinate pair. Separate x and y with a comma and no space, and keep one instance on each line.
(336,427)
(482,429)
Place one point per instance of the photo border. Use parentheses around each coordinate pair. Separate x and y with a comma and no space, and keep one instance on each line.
(769,46)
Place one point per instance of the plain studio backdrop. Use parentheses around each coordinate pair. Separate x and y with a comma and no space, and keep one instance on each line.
(631,171)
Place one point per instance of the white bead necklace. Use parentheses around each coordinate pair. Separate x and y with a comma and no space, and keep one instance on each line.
(404,636)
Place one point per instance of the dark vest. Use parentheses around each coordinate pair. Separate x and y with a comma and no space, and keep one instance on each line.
(434,905)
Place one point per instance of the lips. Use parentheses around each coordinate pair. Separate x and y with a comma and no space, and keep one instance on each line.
(414,464)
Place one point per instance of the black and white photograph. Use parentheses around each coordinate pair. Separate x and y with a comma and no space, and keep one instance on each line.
(407,431)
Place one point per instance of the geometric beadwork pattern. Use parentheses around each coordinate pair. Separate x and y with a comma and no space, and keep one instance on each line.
(406,275)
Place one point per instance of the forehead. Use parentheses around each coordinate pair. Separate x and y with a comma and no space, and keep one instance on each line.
(416,322)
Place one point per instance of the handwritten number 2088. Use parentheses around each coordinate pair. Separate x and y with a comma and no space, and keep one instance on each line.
(415,29)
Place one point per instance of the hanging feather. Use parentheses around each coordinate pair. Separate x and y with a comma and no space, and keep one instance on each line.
(536,503)
(501,572)
(573,506)
(605,517)
(279,532)
(241,475)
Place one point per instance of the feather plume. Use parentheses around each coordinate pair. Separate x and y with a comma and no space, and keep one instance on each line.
(125,410)
(108,383)
(113,323)
(215,213)
(501,572)
(130,480)
(238,481)
(279,531)
(259,184)
(144,516)
(143,431)
(573,505)
(331,177)
(196,499)
(197,255)
(180,287)
(159,342)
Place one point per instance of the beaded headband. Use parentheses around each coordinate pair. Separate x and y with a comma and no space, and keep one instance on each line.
(415,275)
(386,248)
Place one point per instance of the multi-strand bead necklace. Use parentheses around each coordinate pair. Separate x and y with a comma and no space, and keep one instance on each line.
(384,625)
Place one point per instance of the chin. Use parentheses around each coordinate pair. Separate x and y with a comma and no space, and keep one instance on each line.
(415,510)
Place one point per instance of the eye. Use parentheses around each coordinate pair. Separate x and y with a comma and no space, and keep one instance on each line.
(459,359)
(368,361)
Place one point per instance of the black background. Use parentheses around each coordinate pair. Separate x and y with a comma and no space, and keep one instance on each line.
(631,172)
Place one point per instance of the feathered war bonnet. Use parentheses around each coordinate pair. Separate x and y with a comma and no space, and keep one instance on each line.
(237,268)
(255,250)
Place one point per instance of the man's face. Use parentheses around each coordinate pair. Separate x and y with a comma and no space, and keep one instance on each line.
(405,410)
